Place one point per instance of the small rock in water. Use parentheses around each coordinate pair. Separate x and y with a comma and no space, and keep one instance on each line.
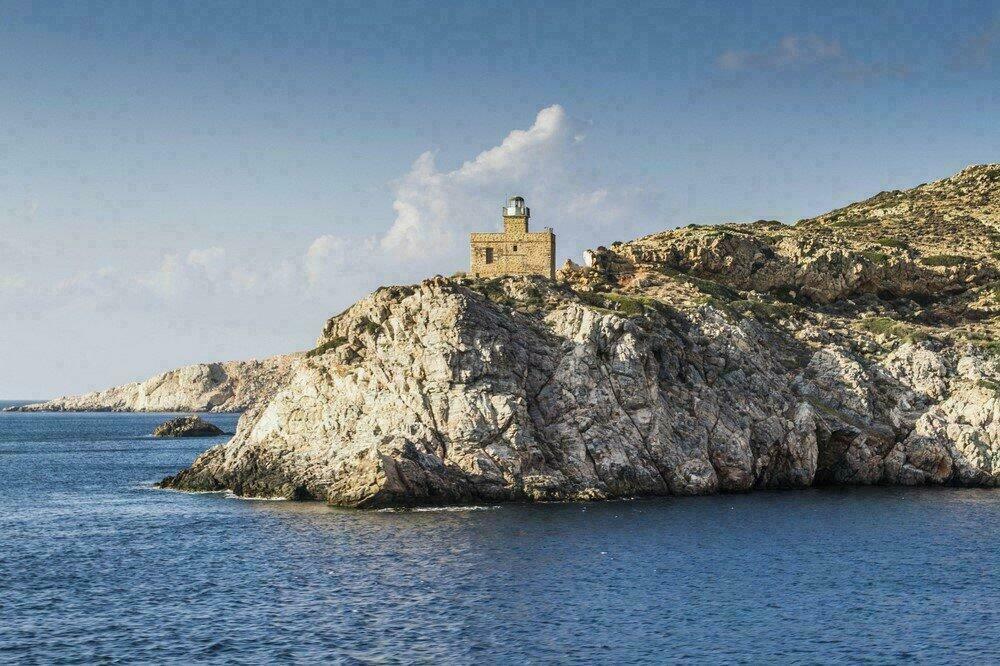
(187,426)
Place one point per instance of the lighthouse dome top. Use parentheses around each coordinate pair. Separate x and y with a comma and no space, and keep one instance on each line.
(515,207)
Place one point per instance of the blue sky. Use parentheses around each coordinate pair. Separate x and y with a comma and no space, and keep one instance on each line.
(183,182)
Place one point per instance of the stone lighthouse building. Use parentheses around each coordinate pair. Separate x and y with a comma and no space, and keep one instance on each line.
(516,251)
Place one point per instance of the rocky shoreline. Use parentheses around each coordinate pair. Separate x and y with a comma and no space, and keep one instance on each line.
(859,347)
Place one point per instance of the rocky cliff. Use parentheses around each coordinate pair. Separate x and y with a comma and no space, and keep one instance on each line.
(858,347)
(206,387)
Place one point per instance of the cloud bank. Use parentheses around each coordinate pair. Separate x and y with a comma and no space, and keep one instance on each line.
(435,210)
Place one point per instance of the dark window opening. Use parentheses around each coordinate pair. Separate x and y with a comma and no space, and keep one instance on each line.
(489,255)
(515,248)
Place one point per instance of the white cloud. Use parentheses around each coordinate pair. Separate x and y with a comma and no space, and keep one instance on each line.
(433,206)
(207,258)
(799,51)
(170,279)
(791,50)
(436,209)
(179,277)
(87,281)
(513,157)
(326,254)
(587,200)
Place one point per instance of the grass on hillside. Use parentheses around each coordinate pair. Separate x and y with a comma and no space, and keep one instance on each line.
(946,260)
(326,346)
(892,328)
(889,241)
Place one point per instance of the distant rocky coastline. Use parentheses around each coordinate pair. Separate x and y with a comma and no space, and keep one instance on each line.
(858,347)
(205,387)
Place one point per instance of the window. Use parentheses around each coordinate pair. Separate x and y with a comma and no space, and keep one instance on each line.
(515,248)
(489,255)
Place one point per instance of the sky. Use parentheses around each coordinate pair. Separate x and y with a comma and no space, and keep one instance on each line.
(191,182)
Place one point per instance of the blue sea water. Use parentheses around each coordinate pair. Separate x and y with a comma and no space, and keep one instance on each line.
(98,567)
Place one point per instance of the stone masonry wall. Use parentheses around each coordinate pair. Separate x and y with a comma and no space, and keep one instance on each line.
(514,253)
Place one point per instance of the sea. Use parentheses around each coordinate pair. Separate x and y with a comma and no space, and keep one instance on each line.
(98,566)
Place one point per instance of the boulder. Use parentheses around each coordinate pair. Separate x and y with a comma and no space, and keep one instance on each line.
(187,426)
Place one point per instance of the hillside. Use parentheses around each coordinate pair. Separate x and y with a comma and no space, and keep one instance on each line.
(230,386)
(921,262)
(857,347)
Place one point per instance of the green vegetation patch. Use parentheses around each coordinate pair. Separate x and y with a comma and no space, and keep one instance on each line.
(713,289)
(630,306)
(989,385)
(892,328)
(621,304)
(327,346)
(707,287)
(876,257)
(594,299)
(947,260)
(889,241)
(738,229)
(370,327)
(490,288)
(533,299)
(770,311)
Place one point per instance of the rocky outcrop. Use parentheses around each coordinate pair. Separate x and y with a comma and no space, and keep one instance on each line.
(438,394)
(667,366)
(187,426)
(958,438)
(206,387)
(939,237)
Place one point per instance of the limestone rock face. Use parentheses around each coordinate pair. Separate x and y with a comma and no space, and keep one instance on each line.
(206,387)
(438,394)
(846,349)
(958,438)
(187,426)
